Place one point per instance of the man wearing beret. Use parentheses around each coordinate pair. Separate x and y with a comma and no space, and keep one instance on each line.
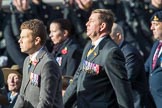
(153,65)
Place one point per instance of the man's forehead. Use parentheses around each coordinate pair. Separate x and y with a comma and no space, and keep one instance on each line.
(26,30)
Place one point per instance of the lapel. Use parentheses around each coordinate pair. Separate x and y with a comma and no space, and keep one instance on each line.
(86,49)
(153,52)
(64,44)
(96,52)
(41,54)
(63,57)
(159,60)
(123,44)
(26,72)
(11,105)
(38,58)
(93,54)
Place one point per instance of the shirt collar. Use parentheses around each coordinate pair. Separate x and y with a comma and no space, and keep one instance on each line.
(33,56)
(120,44)
(98,41)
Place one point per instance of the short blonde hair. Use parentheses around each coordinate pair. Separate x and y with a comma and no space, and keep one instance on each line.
(116,28)
(107,16)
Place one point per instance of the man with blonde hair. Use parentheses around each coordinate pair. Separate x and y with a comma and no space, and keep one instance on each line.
(101,78)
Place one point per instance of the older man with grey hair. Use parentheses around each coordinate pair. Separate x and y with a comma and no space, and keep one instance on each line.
(135,67)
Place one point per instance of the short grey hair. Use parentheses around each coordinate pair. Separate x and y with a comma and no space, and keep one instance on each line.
(116,28)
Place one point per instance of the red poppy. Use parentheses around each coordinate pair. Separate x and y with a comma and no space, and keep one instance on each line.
(34,62)
(64,51)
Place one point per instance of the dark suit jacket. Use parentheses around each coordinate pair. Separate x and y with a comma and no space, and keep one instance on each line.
(69,61)
(11,105)
(47,92)
(155,76)
(101,79)
(136,74)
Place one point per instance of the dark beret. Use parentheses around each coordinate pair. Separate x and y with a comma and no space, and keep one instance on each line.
(157,16)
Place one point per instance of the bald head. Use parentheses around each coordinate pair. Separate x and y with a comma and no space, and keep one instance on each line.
(117,33)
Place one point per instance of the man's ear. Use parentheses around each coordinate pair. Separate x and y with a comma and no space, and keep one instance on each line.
(118,35)
(102,26)
(37,40)
(66,33)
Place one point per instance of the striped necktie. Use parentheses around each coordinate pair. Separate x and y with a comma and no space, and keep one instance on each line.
(155,58)
(90,50)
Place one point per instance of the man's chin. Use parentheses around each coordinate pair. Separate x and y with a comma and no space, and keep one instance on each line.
(11,89)
(22,50)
